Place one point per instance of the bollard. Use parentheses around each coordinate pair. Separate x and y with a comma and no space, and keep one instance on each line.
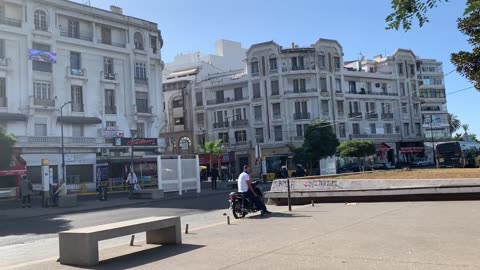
(313,204)
(132,239)
(288,194)
(228,220)
(186,229)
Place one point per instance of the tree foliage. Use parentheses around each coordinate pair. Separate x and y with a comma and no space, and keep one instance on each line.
(6,145)
(453,122)
(320,141)
(212,148)
(466,63)
(356,148)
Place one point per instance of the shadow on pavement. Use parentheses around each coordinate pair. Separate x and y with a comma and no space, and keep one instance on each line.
(279,215)
(38,225)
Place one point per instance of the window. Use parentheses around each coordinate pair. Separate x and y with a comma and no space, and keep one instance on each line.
(220,96)
(356,128)
(223,136)
(177,103)
(325,109)
(238,94)
(2,49)
(3,93)
(404,108)
(336,60)
(432,93)
(386,108)
(354,107)
(416,108)
(414,89)
(299,85)
(297,63)
(106,35)
(418,129)
(254,67)
(372,69)
(277,130)
(402,89)
(323,84)
(140,71)
(301,107)
(338,85)
(388,128)
(237,114)
(256,90)
(219,116)
(276,111)
(412,69)
(369,87)
(373,128)
(77,98)
(259,135)
(342,131)
(40,20)
(138,41)
(406,128)
(370,107)
(275,88)
(273,64)
(140,130)
(241,136)
(110,124)
(321,61)
(141,100)
(108,68)
(75,64)
(199,98)
(352,87)
(77,131)
(400,68)
(73,28)
(200,119)
(178,121)
(340,108)
(41,90)
(110,101)
(39,65)
(153,44)
(299,130)
(257,112)
(40,129)
(384,88)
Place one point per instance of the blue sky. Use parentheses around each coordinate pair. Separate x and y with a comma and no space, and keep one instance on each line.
(192,25)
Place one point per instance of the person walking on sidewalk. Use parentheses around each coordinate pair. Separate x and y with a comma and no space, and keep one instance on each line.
(26,191)
(245,186)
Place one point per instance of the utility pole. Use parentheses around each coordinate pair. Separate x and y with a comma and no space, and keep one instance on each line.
(64,180)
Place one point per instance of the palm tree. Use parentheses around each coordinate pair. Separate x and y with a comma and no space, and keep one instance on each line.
(213,148)
(6,144)
(453,122)
(465,128)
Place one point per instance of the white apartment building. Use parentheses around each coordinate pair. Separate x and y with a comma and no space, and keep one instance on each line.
(108,65)
(283,90)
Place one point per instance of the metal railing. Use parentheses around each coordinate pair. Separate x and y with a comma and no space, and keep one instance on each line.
(225,100)
(110,109)
(43,28)
(299,116)
(44,102)
(300,91)
(355,116)
(109,42)
(373,93)
(144,109)
(375,136)
(58,140)
(78,72)
(110,76)
(76,107)
(277,116)
(387,116)
(142,81)
(240,122)
(372,116)
(221,125)
(10,21)
(83,35)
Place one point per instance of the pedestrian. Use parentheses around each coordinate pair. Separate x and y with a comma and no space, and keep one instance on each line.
(26,191)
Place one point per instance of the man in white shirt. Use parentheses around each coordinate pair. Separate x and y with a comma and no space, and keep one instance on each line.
(245,186)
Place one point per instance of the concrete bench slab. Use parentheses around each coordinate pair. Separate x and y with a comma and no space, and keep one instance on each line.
(80,246)
(153,194)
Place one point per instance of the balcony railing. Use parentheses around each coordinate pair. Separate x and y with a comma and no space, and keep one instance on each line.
(142,81)
(44,102)
(83,35)
(225,100)
(221,125)
(43,28)
(277,116)
(299,91)
(110,76)
(239,143)
(10,21)
(240,123)
(111,109)
(373,93)
(355,116)
(78,72)
(77,107)
(109,42)
(45,140)
(299,116)
(375,136)
(372,116)
(3,101)
(387,116)
(298,68)
(144,109)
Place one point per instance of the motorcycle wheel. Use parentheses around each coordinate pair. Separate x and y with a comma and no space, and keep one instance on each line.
(237,210)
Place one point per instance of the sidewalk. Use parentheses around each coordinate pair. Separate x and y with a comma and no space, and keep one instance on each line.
(12,209)
(386,236)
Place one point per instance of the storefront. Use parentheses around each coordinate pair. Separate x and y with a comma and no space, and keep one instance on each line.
(384,153)
(410,151)
(10,179)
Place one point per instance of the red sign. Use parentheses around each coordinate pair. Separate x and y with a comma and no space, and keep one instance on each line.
(204,159)
(411,149)
(138,142)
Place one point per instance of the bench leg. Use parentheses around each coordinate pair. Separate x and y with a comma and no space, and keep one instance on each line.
(165,236)
(78,249)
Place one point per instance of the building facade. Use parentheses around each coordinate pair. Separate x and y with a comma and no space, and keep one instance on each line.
(97,72)
(283,89)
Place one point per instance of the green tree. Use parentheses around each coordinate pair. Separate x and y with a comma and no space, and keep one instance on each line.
(356,148)
(213,148)
(466,63)
(6,144)
(465,128)
(453,122)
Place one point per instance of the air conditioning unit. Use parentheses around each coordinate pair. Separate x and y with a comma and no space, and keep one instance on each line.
(105,152)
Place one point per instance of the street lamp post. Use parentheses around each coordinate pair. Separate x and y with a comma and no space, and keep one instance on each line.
(433,142)
(64,180)
(132,142)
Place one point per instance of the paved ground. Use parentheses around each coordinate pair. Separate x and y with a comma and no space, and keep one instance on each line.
(394,235)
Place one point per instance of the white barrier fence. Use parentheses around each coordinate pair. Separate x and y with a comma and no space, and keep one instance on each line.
(178,174)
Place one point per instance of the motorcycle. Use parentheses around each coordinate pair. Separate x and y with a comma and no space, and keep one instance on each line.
(241,205)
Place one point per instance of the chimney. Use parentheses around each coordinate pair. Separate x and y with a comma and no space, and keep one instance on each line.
(116,10)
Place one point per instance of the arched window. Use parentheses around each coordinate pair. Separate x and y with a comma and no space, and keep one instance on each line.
(177,102)
(322,61)
(185,143)
(254,69)
(273,63)
(40,20)
(138,41)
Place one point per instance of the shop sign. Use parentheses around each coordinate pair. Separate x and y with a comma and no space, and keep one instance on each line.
(135,142)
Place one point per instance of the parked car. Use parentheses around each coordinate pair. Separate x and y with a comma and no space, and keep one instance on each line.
(422,162)
(350,167)
(382,166)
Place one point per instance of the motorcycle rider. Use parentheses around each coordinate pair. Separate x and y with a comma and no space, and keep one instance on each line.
(245,186)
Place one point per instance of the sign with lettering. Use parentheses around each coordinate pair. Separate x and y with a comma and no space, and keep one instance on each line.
(135,142)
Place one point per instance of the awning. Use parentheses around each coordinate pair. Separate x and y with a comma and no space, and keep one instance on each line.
(79,120)
(13,117)
(383,147)
(412,149)
(183,73)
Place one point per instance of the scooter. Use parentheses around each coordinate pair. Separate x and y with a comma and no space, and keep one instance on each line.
(241,205)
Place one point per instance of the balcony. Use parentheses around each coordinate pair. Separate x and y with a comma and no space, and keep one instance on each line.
(44,102)
(110,76)
(239,143)
(373,93)
(3,101)
(277,116)
(372,116)
(324,93)
(240,123)
(41,141)
(299,68)
(376,136)
(78,72)
(141,81)
(355,116)
(144,109)
(10,21)
(221,125)
(387,116)
(111,110)
(77,107)
(300,116)
(226,100)
(300,91)
(340,114)
(109,42)
(83,35)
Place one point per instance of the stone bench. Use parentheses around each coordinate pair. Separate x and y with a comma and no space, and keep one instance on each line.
(153,194)
(80,246)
